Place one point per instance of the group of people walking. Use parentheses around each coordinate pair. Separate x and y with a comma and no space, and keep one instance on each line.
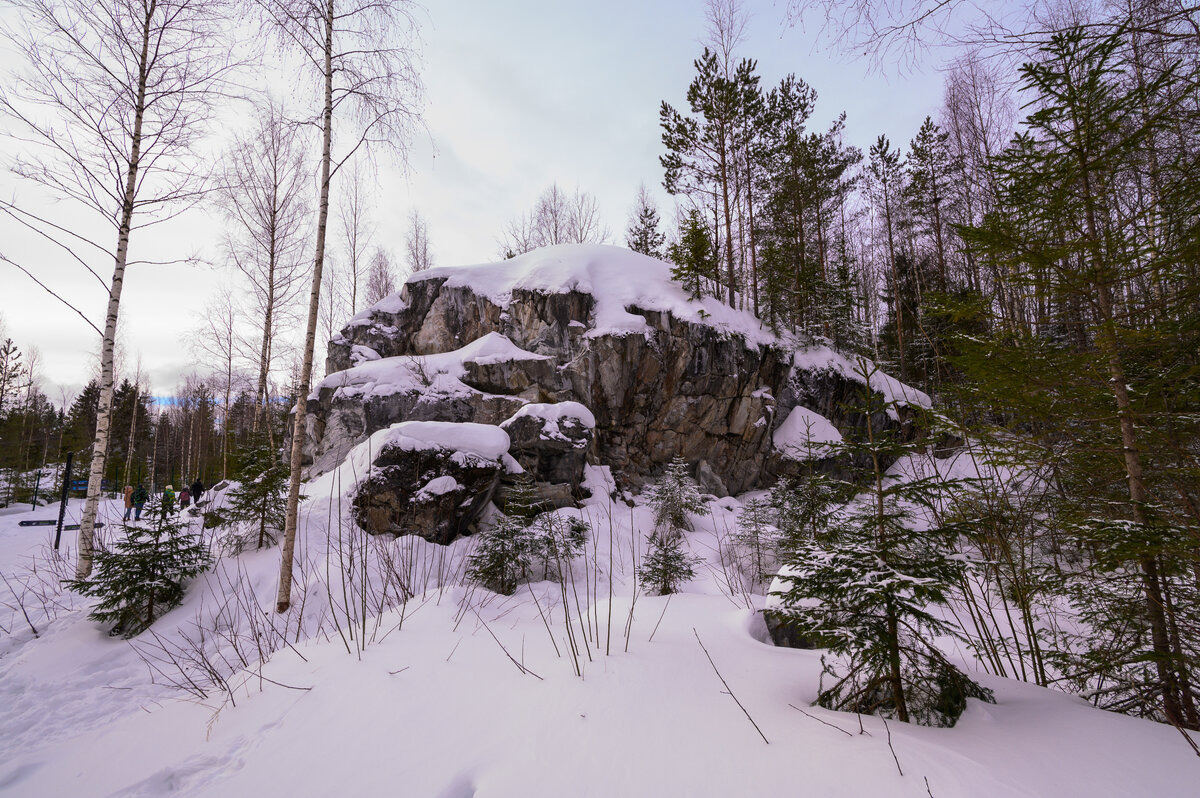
(136,498)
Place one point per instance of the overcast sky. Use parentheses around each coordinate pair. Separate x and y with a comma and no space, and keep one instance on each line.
(519,94)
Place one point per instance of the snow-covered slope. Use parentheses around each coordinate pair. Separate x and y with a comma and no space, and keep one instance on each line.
(459,692)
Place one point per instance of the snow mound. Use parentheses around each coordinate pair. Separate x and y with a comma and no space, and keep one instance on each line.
(617,278)
(468,442)
(438,486)
(391,304)
(554,413)
(805,435)
(440,373)
(482,440)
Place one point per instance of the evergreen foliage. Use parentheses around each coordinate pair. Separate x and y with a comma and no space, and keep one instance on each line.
(695,263)
(675,496)
(802,507)
(1096,220)
(145,573)
(864,589)
(256,506)
(502,557)
(666,565)
(643,234)
(558,540)
(755,534)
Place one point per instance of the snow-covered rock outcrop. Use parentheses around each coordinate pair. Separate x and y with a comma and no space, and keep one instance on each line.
(428,478)
(649,373)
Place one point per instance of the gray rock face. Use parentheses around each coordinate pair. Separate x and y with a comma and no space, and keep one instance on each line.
(552,450)
(682,388)
(708,481)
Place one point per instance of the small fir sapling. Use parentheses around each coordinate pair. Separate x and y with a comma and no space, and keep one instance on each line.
(558,540)
(802,509)
(257,505)
(505,551)
(864,587)
(756,535)
(143,576)
(667,566)
(675,497)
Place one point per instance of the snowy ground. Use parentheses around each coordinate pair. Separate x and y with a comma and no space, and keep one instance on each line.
(458,692)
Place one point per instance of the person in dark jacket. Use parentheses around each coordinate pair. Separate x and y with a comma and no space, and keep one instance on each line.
(140,496)
(197,490)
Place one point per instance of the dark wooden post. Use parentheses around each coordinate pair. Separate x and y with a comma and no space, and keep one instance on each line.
(62,502)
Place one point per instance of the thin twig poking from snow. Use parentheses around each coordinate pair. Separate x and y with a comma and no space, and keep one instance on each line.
(888,729)
(511,659)
(660,617)
(818,720)
(729,689)
(1187,737)
(21,604)
(546,623)
(608,633)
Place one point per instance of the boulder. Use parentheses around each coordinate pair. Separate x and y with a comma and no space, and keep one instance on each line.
(783,633)
(431,479)
(551,441)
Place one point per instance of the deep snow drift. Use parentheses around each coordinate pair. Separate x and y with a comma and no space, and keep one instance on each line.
(452,691)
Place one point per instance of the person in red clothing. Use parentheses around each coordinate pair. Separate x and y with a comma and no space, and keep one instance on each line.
(185,498)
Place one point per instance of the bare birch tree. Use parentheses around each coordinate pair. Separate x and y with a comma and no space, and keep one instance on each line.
(363,59)
(111,106)
(557,218)
(417,253)
(217,339)
(381,278)
(333,311)
(263,197)
(357,228)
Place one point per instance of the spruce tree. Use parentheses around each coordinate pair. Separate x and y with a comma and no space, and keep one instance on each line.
(865,588)
(929,175)
(802,508)
(755,534)
(504,552)
(257,505)
(144,575)
(556,541)
(666,566)
(1106,377)
(675,496)
(643,234)
(695,263)
(886,172)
